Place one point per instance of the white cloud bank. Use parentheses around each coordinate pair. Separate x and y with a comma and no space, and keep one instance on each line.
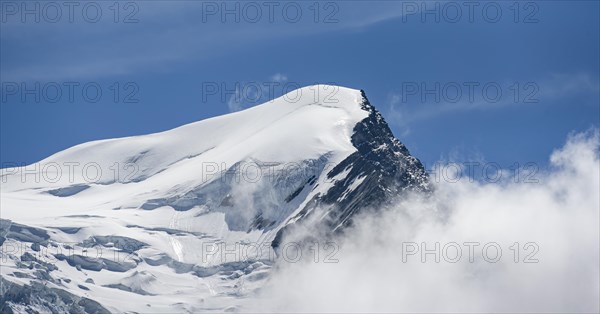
(559,215)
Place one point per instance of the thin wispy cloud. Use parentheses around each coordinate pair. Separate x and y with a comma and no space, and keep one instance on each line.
(248,94)
(421,105)
(279,78)
(86,48)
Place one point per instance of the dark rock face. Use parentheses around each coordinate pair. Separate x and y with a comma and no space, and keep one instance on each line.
(380,170)
(386,165)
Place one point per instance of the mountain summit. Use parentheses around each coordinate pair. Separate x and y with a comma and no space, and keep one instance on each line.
(157,206)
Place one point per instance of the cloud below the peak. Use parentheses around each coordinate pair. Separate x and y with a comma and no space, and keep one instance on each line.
(553,267)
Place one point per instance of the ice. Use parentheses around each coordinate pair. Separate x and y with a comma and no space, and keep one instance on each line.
(134,235)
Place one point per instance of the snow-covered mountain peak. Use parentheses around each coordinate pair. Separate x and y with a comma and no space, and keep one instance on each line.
(305,123)
(247,178)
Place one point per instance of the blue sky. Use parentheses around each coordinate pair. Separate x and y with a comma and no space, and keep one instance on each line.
(542,56)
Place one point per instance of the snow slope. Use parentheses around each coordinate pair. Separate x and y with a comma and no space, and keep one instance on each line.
(144,223)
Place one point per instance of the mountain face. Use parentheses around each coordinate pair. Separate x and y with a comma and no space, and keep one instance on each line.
(379,170)
(191,219)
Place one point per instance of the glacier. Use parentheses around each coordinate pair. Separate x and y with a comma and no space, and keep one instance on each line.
(194,218)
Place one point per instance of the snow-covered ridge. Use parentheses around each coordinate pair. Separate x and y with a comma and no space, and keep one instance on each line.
(300,125)
(158,205)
